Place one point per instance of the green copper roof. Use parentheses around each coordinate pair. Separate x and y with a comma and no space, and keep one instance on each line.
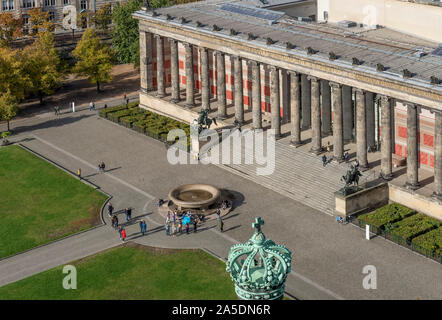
(259,267)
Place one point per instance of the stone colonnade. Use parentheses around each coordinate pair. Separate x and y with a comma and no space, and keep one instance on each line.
(310,107)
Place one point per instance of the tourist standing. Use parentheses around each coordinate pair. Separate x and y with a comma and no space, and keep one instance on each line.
(115,221)
(99,168)
(123,234)
(221,225)
(143,227)
(328,147)
(110,209)
(105,106)
(195,224)
(187,228)
(91,106)
(324,160)
(167,228)
(124,97)
(79,173)
(103,166)
(346,156)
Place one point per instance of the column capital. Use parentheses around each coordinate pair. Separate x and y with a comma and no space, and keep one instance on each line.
(312,78)
(157,36)
(383,98)
(410,104)
(335,85)
(219,53)
(254,63)
(203,49)
(235,57)
(273,68)
(293,73)
(358,90)
(172,41)
(187,45)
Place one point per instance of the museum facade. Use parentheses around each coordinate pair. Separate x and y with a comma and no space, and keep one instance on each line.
(376,87)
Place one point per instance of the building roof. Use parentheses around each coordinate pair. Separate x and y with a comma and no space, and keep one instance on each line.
(395,50)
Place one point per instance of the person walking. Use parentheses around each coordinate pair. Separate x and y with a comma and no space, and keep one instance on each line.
(195,224)
(123,234)
(180,226)
(103,166)
(115,221)
(187,228)
(346,156)
(324,160)
(128,214)
(105,106)
(79,173)
(141,227)
(221,225)
(124,96)
(91,106)
(120,230)
(99,168)
(110,209)
(57,110)
(328,147)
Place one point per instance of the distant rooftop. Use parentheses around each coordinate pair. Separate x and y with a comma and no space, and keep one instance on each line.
(394,50)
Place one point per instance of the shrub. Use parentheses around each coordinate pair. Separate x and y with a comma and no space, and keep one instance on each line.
(430,243)
(387,214)
(105,112)
(405,230)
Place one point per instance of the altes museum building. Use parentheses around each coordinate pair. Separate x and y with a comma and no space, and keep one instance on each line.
(349,72)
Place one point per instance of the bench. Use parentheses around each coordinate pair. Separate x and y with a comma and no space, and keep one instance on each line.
(398,161)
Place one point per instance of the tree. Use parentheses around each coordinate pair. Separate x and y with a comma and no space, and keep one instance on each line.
(10,28)
(85,19)
(40,21)
(125,34)
(103,17)
(41,63)
(95,59)
(8,107)
(13,78)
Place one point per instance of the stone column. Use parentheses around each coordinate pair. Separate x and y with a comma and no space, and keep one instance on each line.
(174,70)
(361,129)
(338,138)
(295,108)
(239,100)
(370,120)
(275,101)
(347,113)
(316,116)
(412,148)
(205,81)
(190,100)
(256,94)
(326,108)
(160,67)
(438,155)
(221,85)
(305,102)
(386,162)
(146,65)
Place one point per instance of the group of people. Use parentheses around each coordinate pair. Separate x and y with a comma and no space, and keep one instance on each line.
(326,160)
(175,223)
(72,107)
(121,229)
(101,166)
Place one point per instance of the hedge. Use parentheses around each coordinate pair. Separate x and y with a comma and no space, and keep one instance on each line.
(389,213)
(146,122)
(429,244)
(405,230)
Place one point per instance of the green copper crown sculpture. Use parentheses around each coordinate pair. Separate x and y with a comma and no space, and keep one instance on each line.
(259,267)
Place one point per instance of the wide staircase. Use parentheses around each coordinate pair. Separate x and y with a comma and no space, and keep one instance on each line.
(298,175)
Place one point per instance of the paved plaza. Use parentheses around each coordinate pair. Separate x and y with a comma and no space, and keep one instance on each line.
(328,257)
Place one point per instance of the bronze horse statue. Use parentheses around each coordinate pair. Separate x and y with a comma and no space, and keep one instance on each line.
(352,176)
(204,122)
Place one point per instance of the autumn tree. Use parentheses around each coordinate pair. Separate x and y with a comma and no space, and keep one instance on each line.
(10,28)
(103,17)
(40,21)
(94,59)
(8,107)
(13,78)
(41,63)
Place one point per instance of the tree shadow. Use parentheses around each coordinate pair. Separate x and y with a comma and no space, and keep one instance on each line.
(57,122)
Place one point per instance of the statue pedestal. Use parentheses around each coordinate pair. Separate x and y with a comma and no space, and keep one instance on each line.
(194,140)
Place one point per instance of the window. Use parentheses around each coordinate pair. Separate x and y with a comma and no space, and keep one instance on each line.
(49,3)
(25,18)
(83,5)
(7,5)
(28,3)
(65,2)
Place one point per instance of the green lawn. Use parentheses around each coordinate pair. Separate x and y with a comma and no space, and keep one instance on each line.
(132,272)
(40,203)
